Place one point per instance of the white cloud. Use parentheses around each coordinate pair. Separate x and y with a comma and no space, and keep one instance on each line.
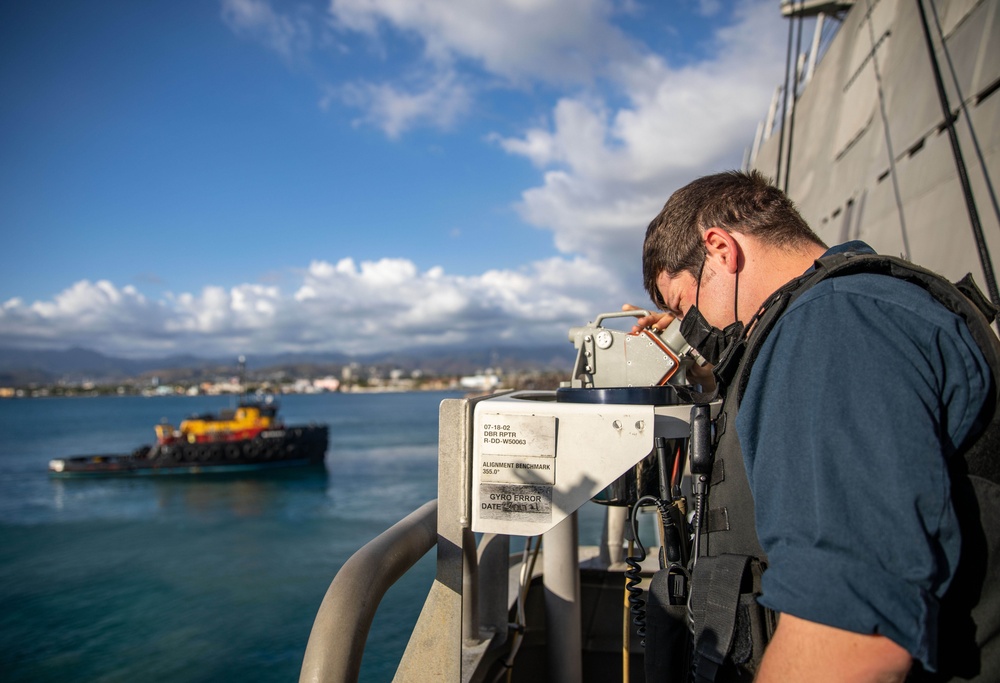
(437,101)
(470,47)
(82,314)
(612,153)
(519,42)
(607,172)
(347,306)
(676,120)
(555,41)
(709,7)
(290,37)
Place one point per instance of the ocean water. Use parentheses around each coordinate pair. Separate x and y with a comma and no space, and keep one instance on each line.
(198,578)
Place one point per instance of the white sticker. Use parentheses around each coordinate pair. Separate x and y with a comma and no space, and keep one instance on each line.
(518,435)
(499,468)
(516,503)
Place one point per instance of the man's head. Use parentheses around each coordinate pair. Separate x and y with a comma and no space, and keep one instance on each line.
(734,202)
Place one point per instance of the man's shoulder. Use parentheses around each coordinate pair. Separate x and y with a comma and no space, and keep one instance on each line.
(867,286)
(862,295)
(877,313)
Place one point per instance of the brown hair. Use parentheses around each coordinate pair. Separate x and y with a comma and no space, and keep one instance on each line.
(736,201)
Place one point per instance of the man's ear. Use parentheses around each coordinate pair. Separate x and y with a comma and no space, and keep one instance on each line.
(722,248)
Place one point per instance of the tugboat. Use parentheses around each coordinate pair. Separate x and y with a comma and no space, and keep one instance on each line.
(248,438)
(251,437)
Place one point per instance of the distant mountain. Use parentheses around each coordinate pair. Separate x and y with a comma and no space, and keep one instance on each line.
(24,366)
(77,362)
(19,367)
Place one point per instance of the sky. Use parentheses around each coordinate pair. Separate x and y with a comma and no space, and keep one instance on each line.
(223,177)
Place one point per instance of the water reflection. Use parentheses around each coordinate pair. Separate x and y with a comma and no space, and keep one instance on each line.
(201,496)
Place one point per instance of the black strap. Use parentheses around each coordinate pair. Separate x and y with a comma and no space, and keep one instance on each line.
(715,598)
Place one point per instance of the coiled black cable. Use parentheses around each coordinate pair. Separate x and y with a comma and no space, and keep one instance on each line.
(637,606)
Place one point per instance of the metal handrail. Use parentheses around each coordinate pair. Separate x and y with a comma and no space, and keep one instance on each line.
(337,640)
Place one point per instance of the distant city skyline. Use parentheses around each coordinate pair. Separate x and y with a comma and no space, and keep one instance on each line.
(260,176)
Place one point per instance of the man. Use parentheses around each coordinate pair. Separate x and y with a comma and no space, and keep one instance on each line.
(851,406)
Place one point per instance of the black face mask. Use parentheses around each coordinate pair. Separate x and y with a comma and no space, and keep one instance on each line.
(711,342)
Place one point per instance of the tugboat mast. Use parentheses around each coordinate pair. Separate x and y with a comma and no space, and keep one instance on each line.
(243,379)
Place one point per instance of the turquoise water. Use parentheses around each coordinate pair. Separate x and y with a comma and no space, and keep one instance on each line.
(198,579)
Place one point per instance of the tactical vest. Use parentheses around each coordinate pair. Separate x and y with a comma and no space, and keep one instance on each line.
(730,629)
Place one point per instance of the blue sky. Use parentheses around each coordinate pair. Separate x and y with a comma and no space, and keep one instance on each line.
(256,176)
